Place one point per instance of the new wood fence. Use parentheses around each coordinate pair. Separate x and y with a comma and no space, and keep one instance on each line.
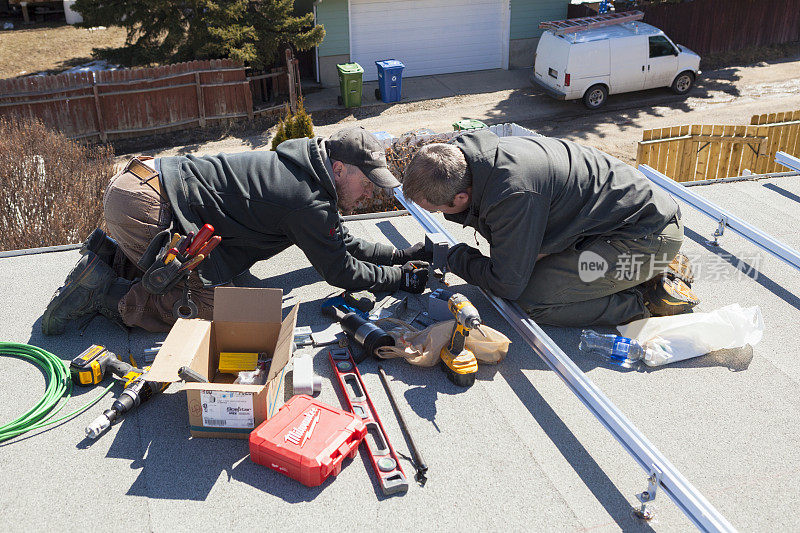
(126,103)
(690,153)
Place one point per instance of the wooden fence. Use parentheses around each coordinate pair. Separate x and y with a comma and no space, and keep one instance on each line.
(783,131)
(125,103)
(714,26)
(690,153)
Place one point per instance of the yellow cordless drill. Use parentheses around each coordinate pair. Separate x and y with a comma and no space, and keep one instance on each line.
(457,361)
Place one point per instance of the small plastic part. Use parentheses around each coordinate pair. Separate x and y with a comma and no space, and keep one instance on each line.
(254,377)
(304,380)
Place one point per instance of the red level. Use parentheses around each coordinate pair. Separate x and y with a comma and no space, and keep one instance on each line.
(381,454)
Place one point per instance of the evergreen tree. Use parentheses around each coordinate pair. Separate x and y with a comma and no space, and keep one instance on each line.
(280,135)
(168,31)
(293,126)
(303,127)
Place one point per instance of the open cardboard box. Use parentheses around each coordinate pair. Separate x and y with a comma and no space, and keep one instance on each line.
(245,320)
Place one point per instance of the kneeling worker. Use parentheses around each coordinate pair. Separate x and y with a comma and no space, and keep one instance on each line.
(576,237)
(260,203)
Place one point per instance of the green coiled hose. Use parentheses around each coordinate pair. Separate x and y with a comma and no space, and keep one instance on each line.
(56,394)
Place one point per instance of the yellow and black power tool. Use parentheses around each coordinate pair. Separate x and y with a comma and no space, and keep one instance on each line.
(90,367)
(457,361)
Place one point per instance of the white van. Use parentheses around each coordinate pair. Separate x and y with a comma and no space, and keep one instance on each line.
(618,58)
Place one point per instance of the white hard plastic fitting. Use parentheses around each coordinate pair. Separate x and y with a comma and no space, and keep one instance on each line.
(304,380)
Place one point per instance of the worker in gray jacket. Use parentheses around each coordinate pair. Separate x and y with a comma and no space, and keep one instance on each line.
(576,237)
(259,202)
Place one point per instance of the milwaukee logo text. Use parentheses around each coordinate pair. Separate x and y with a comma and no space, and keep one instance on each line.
(303,431)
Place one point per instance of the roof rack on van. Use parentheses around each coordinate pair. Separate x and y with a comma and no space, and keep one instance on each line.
(561,27)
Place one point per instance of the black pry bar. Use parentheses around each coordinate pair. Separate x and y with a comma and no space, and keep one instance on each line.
(419,463)
(381,454)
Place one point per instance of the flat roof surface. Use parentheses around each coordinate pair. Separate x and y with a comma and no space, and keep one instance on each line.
(625,29)
(515,451)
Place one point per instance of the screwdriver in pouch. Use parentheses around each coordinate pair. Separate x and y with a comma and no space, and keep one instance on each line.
(185,242)
(203,235)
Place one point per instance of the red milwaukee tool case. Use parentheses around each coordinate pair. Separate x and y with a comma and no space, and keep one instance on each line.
(307,440)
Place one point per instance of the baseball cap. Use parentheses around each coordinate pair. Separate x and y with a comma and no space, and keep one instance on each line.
(358,147)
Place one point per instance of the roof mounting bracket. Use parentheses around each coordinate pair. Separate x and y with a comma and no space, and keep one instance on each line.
(723,221)
(649,495)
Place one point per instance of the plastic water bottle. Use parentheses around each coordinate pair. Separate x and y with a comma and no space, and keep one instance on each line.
(617,350)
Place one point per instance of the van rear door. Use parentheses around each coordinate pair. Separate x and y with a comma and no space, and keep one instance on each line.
(662,65)
(628,63)
(552,54)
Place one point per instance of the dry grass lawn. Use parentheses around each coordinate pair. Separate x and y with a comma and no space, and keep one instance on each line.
(51,47)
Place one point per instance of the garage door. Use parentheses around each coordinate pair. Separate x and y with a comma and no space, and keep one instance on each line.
(428,36)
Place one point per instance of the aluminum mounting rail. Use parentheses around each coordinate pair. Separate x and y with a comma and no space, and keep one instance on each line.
(763,240)
(788,161)
(660,472)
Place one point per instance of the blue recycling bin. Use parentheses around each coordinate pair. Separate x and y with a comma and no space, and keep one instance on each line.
(390,77)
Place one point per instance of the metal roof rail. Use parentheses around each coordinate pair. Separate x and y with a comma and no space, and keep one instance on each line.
(561,27)
(660,472)
(763,240)
(788,161)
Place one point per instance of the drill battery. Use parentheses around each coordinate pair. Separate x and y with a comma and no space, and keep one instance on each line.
(307,440)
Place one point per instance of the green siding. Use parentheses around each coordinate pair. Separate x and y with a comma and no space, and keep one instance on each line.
(333,15)
(527,14)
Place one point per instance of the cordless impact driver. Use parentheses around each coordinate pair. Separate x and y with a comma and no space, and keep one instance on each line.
(90,367)
(458,362)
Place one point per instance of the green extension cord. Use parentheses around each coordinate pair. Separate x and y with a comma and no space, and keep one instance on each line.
(56,395)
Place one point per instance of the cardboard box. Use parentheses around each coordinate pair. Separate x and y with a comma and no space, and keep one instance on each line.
(245,320)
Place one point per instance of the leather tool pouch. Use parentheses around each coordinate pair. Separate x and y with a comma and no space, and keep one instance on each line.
(158,277)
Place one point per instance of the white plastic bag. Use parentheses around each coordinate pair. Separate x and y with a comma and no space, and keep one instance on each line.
(675,338)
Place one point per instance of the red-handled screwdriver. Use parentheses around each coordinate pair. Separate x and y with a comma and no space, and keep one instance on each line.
(210,245)
(203,235)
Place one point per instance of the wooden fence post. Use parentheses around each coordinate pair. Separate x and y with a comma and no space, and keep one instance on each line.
(101,127)
(290,74)
(201,106)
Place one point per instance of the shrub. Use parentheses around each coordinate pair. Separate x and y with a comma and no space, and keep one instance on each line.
(294,126)
(52,187)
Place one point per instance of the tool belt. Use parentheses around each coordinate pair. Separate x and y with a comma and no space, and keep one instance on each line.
(160,278)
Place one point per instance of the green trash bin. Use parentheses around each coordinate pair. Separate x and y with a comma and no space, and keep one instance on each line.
(350,84)
(468,124)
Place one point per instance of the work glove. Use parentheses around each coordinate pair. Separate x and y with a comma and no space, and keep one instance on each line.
(414,276)
(459,256)
(418,252)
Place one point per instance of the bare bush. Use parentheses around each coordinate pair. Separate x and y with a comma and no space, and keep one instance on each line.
(52,187)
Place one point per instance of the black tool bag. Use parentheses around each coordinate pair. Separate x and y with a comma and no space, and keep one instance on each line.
(160,278)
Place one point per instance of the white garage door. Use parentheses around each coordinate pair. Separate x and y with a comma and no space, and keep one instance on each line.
(428,36)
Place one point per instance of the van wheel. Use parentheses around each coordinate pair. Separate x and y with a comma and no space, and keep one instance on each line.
(595,97)
(683,83)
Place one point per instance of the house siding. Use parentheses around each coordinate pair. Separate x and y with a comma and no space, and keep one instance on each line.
(333,15)
(527,14)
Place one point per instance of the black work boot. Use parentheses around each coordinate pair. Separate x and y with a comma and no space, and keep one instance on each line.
(101,244)
(91,287)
